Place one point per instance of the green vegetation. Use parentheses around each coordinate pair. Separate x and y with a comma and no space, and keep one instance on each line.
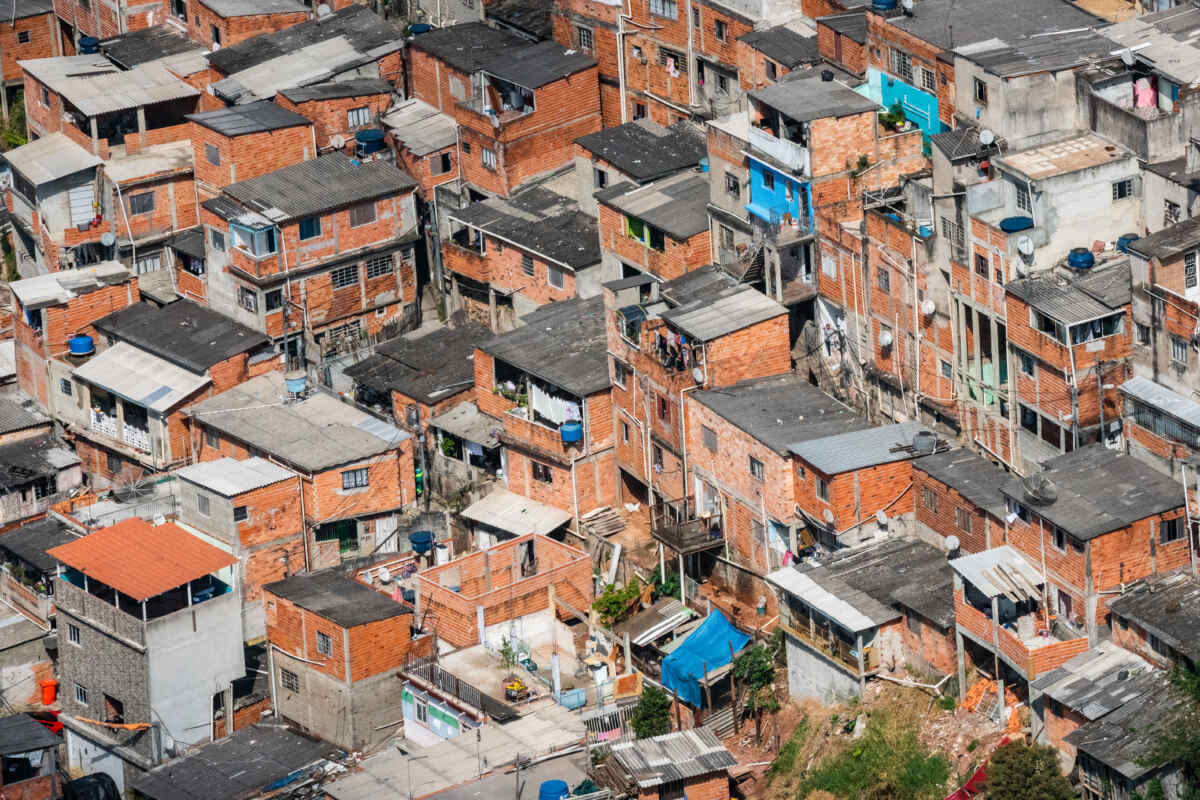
(665,586)
(894,118)
(755,670)
(13,133)
(508,655)
(1017,771)
(615,603)
(887,763)
(1178,742)
(785,762)
(652,715)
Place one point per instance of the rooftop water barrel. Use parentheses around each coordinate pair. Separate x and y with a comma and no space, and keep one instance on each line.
(81,345)
(553,790)
(419,27)
(1015,224)
(369,141)
(704,164)
(422,541)
(571,432)
(296,381)
(1080,258)
(884,5)
(88,45)
(1124,240)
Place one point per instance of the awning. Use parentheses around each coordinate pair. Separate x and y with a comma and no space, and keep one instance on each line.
(1152,394)
(141,378)
(708,648)
(1002,570)
(850,617)
(467,422)
(516,514)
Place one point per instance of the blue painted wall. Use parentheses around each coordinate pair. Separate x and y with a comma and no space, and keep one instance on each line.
(771,204)
(920,106)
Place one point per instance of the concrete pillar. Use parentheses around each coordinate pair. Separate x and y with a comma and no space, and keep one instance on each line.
(996,356)
(962,667)
(862,668)
(682,587)
(492,307)
(95,136)
(141,118)
(479,624)
(227,702)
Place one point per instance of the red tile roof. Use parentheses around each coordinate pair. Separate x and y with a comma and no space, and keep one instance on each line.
(142,560)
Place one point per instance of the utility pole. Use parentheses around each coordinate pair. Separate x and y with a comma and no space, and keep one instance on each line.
(1100,399)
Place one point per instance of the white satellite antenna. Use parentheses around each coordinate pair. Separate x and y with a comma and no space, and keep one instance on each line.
(928,307)
(385,575)
(908,5)
(108,239)
(828,516)
(885,339)
(697,375)
(986,137)
(1025,246)
(1127,57)
(323,10)
(337,141)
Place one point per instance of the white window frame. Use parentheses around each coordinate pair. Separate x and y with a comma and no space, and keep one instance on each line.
(358,117)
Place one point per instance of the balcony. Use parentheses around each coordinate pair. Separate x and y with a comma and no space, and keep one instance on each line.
(1028,648)
(29,595)
(687,536)
(122,614)
(778,224)
(820,637)
(104,423)
(791,155)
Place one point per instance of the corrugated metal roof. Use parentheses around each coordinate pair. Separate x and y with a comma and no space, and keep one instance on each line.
(516,513)
(813,98)
(21,733)
(845,452)
(55,70)
(143,560)
(420,127)
(1091,683)
(855,612)
(723,313)
(1122,738)
(141,377)
(230,477)
(467,422)
(1167,606)
(15,416)
(1013,56)
(1002,570)
(673,757)
(32,541)
(49,158)
(1059,299)
(677,205)
(334,90)
(98,91)
(1162,398)
(249,118)
(59,287)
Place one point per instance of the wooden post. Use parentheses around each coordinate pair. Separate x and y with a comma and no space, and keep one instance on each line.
(678,711)
(628,665)
(707,691)
(737,725)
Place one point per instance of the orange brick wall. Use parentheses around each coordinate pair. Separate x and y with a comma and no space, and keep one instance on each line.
(329,117)
(886,487)
(841,49)
(202,19)
(677,257)
(501,266)
(986,531)
(105,20)
(43,42)
(248,156)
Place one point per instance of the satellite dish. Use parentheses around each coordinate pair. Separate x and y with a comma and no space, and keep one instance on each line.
(928,307)
(1025,246)
(881,518)
(828,516)
(908,4)
(323,10)
(1039,490)
(1127,57)
(986,137)
(385,575)
(697,375)
(885,339)
(108,239)
(337,141)
(952,543)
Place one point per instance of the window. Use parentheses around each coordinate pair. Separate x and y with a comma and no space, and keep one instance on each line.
(1170,530)
(240,513)
(1158,646)
(583,39)
(362,214)
(112,462)
(212,154)
(23,37)
(289,680)
(721,30)
(1122,189)
(929,499)
(1189,269)
(664,409)
(676,62)
(599,178)
(710,438)
(962,518)
(81,695)
(440,165)
(621,373)
(928,80)
(1023,201)
(73,635)
(947,370)
(554,276)
(324,644)
(421,710)
(527,264)
(466,147)
(1021,512)
(639,110)
(542,472)
(344,276)
(1171,213)
(664,8)
(211,439)
(380,265)
(772,70)
(726,237)
(1028,366)
(64,386)
(247,298)
(656,458)
(732,185)
(823,489)
(141,203)
(885,280)
(114,710)
(902,66)
(255,241)
(1179,349)
(624,431)
(695,17)
(202,505)
(355,478)
(357,117)
(980,92)
(45,97)
(310,228)
(981,264)
(216,35)
(216,239)
(1143,334)
(274,300)
(723,84)
(756,468)
(487,157)
(768,179)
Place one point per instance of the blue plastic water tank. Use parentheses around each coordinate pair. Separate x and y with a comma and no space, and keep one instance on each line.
(422,541)
(81,345)
(1124,240)
(419,28)
(884,5)
(369,141)
(553,790)
(1014,224)
(1080,258)
(88,45)
(704,164)
(571,432)
(296,381)
(925,231)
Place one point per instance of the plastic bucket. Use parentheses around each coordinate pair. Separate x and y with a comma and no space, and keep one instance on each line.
(49,691)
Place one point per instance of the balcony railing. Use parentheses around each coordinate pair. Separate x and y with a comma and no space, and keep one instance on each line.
(827,643)
(790,154)
(104,423)
(137,437)
(1032,656)
(687,536)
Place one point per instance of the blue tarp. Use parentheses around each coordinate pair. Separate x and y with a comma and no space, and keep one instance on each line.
(709,645)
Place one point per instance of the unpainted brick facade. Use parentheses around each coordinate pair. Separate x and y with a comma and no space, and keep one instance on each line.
(331,118)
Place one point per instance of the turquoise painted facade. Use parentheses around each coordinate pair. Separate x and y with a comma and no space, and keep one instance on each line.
(919,106)
(774,193)
(440,719)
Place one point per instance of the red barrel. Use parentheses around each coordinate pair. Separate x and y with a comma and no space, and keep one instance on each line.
(49,691)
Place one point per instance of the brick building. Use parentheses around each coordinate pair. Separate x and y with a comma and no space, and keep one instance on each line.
(356,470)
(139,605)
(842,40)
(351,42)
(32,751)
(335,647)
(341,108)
(548,381)
(696,755)
(253,507)
(79,18)
(635,152)
(510,587)
(242,142)
(425,141)
(126,407)
(35,473)
(958,494)
(765,55)
(1155,619)
(659,337)
(30,31)
(322,249)
(224,23)
(861,610)
(660,228)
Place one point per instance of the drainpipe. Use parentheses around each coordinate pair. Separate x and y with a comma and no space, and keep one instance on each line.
(621,32)
(128,227)
(683,444)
